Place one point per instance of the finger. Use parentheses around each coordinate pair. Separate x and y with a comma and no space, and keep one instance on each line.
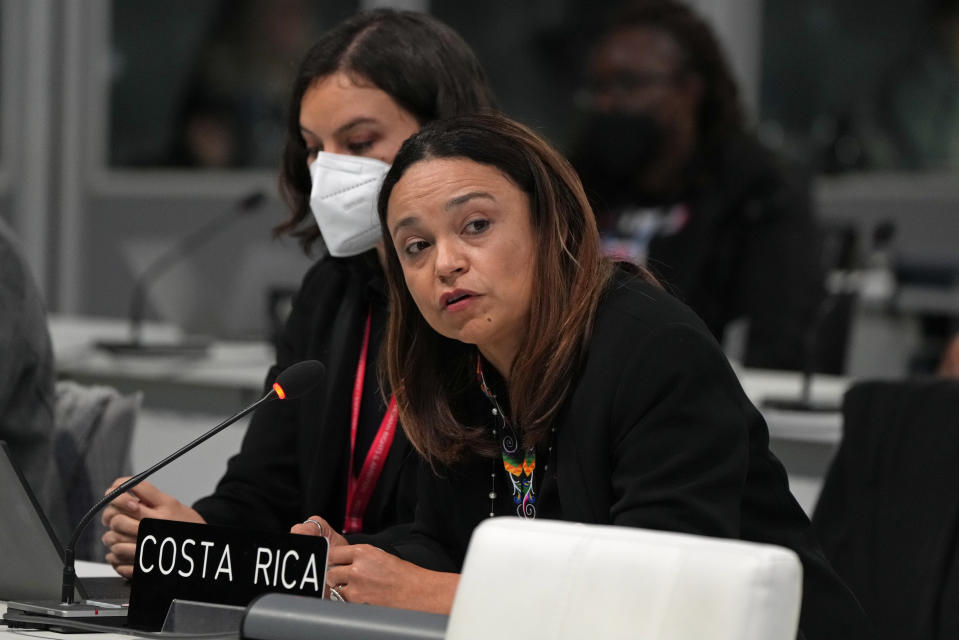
(124,552)
(124,569)
(149,494)
(116,483)
(337,540)
(342,554)
(312,526)
(111,538)
(126,502)
(126,499)
(160,512)
(337,575)
(305,529)
(341,589)
(122,523)
(108,514)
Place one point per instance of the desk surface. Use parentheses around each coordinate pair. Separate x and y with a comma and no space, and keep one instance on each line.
(816,427)
(234,364)
(228,376)
(85,570)
(22,634)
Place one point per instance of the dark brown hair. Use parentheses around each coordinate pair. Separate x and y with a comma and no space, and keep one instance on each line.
(427,371)
(422,64)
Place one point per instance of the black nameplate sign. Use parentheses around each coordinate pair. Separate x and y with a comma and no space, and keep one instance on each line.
(224,565)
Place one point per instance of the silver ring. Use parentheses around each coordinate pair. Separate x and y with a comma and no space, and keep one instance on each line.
(335,594)
(318,525)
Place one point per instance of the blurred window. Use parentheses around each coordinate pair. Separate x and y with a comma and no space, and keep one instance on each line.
(844,84)
(862,84)
(203,83)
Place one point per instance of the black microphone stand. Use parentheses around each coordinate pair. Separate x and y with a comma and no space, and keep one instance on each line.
(69,571)
(810,359)
(293,382)
(196,238)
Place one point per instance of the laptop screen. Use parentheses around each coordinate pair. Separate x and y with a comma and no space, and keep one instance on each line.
(31,561)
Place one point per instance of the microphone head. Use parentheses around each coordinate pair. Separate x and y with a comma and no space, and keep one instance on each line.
(298,379)
(251,201)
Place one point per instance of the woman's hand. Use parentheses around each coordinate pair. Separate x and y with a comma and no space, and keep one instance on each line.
(317,526)
(367,574)
(122,519)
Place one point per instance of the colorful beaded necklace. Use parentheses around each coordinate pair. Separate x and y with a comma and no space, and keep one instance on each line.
(519,465)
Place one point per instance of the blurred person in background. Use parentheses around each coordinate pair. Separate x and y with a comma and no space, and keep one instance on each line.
(914,123)
(679,184)
(360,91)
(27,393)
(232,111)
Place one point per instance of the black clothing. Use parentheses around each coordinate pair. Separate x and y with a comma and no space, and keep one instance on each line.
(749,248)
(656,433)
(295,455)
(888,514)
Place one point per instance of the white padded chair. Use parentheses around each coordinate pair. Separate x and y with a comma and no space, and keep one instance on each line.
(549,579)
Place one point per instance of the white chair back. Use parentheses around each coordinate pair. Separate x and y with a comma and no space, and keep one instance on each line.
(549,579)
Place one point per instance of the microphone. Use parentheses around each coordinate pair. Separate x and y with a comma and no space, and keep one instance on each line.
(293,382)
(811,348)
(202,234)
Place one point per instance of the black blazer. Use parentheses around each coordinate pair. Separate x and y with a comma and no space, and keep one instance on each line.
(751,249)
(293,462)
(657,433)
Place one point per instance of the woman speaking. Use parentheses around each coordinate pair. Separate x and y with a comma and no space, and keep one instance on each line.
(540,380)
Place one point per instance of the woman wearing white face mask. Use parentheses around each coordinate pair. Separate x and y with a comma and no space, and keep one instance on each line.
(359,93)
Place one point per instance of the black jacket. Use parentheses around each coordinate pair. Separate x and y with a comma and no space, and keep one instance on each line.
(750,248)
(657,433)
(293,462)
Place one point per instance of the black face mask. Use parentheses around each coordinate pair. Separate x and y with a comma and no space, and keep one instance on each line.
(613,149)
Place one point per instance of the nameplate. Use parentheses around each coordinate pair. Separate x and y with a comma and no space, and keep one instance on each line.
(224,565)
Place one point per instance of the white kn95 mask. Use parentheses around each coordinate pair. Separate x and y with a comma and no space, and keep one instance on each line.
(343,201)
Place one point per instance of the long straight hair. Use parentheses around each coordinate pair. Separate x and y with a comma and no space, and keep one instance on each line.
(428,371)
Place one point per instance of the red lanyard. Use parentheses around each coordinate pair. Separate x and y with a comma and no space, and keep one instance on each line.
(359,489)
